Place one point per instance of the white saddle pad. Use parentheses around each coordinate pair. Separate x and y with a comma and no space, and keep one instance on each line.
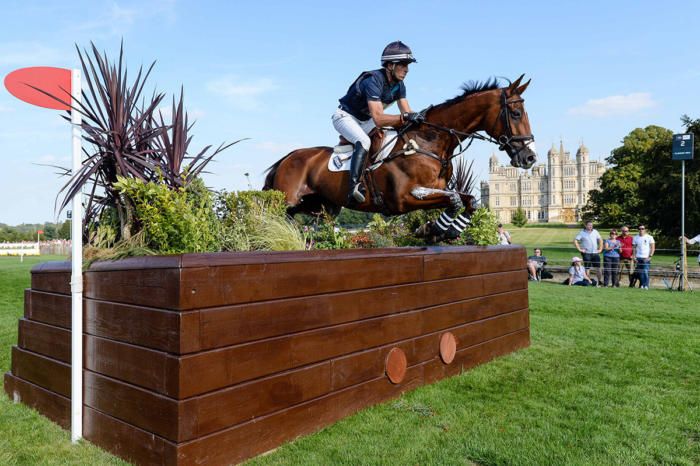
(340,159)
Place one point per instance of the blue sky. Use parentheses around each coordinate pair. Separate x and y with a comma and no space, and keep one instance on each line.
(273,71)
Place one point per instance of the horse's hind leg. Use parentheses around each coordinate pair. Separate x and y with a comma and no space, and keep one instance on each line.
(451,222)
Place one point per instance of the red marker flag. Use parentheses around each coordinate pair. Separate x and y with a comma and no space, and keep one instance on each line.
(55,81)
(41,232)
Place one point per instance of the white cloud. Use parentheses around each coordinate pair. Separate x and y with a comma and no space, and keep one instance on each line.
(115,20)
(30,53)
(242,93)
(615,105)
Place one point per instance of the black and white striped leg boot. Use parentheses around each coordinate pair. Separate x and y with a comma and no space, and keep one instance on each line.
(441,225)
(460,223)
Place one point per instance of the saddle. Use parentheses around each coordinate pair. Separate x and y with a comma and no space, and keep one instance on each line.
(376,137)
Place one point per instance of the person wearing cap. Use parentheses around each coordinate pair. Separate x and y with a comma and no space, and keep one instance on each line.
(644,248)
(362,108)
(578,275)
(503,236)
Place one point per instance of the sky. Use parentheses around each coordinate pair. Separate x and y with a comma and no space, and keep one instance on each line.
(273,72)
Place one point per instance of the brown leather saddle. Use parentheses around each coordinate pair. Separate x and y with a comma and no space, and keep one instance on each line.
(377,140)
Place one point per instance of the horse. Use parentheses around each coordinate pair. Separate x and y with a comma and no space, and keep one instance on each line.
(417,173)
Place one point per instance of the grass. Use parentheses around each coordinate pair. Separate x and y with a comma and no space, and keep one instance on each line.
(611,377)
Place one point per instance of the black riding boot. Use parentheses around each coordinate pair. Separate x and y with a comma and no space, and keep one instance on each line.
(356,164)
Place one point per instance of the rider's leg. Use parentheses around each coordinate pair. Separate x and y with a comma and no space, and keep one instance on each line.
(354,131)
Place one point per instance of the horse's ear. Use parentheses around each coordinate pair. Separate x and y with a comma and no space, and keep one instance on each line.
(522,88)
(516,83)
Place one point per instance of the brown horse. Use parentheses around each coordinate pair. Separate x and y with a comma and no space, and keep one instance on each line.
(417,172)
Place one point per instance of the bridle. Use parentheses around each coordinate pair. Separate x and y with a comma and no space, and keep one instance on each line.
(504,141)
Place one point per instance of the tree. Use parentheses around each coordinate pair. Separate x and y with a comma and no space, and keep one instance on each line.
(643,185)
(519,219)
(64,230)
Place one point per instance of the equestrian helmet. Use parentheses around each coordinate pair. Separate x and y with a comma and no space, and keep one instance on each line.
(397,52)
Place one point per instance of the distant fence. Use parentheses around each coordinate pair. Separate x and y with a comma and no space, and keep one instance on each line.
(55,247)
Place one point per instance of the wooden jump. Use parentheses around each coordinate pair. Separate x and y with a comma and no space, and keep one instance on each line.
(216,358)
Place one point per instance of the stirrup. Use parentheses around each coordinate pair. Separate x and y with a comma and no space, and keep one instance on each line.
(357,195)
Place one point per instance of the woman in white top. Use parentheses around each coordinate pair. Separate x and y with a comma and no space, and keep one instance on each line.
(578,275)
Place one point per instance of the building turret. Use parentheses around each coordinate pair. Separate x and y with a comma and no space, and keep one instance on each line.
(493,162)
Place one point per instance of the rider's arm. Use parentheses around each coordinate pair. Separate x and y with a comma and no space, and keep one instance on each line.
(403,106)
(380,118)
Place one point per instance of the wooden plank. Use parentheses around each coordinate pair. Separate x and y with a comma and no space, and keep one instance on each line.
(449,263)
(51,282)
(158,288)
(229,325)
(226,285)
(54,342)
(174,420)
(50,308)
(45,372)
(27,301)
(126,441)
(174,332)
(223,367)
(48,403)
(154,370)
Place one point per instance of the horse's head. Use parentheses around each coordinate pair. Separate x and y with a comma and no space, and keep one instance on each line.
(510,126)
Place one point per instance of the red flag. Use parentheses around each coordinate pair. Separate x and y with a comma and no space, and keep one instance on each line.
(55,81)
(41,232)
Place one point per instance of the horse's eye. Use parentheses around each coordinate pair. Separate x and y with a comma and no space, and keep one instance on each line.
(516,114)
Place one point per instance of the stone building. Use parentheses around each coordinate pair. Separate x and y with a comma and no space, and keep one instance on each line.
(554,192)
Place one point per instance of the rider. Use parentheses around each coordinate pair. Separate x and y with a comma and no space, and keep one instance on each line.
(362,108)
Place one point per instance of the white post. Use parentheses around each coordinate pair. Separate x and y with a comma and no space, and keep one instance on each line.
(684,277)
(76,283)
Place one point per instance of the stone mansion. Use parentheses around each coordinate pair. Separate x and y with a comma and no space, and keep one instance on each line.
(555,192)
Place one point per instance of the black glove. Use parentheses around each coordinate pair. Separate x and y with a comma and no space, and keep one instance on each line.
(414,117)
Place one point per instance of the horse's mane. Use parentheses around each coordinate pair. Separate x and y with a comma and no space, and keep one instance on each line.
(472,87)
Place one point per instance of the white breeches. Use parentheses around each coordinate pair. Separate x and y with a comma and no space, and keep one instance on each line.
(351,128)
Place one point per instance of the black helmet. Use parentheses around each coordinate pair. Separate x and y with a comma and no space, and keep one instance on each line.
(397,52)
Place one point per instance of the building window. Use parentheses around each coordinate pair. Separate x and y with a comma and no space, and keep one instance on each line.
(513,201)
(527,201)
(526,186)
(542,186)
(584,182)
(528,215)
(569,184)
(511,186)
(496,187)
(569,199)
(495,200)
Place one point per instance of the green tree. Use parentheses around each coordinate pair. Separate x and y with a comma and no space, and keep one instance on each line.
(519,218)
(643,184)
(64,230)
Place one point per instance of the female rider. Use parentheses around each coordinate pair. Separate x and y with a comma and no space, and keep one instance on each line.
(362,108)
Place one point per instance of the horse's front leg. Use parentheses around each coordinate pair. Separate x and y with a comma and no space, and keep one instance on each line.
(451,222)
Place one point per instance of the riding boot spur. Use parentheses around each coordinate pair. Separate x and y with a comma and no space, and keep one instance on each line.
(356,164)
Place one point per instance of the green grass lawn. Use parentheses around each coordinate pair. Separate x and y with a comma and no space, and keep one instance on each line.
(611,377)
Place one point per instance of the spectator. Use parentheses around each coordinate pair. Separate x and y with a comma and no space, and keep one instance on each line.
(644,248)
(694,240)
(578,275)
(503,236)
(611,259)
(589,243)
(536,263)
(626,250)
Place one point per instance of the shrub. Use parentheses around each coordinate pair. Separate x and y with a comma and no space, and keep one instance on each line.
(173,221)
(274,233)
(241,214)
(482,231)
(519,218)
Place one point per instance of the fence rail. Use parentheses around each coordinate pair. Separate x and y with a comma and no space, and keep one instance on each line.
(57,247)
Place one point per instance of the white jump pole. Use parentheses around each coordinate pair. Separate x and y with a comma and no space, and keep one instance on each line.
(76,282)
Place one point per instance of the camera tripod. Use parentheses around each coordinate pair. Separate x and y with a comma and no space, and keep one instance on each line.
(680,280)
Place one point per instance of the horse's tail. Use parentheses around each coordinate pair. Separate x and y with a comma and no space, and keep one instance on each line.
(271,172)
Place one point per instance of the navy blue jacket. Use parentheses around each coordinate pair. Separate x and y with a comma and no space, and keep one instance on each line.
(371,85)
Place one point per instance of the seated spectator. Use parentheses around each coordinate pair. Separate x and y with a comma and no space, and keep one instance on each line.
(578,275)
(535,264)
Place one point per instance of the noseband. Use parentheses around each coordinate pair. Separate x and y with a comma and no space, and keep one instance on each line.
(506,139)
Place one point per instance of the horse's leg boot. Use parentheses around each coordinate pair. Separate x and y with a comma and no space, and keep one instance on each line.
(356,164)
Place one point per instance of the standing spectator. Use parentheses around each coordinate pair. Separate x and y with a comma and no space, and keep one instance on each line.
(611,259)
(535,263)
(694,240)
(626,250)
(578,275)
(644,248)
(589,243)
(503,236)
